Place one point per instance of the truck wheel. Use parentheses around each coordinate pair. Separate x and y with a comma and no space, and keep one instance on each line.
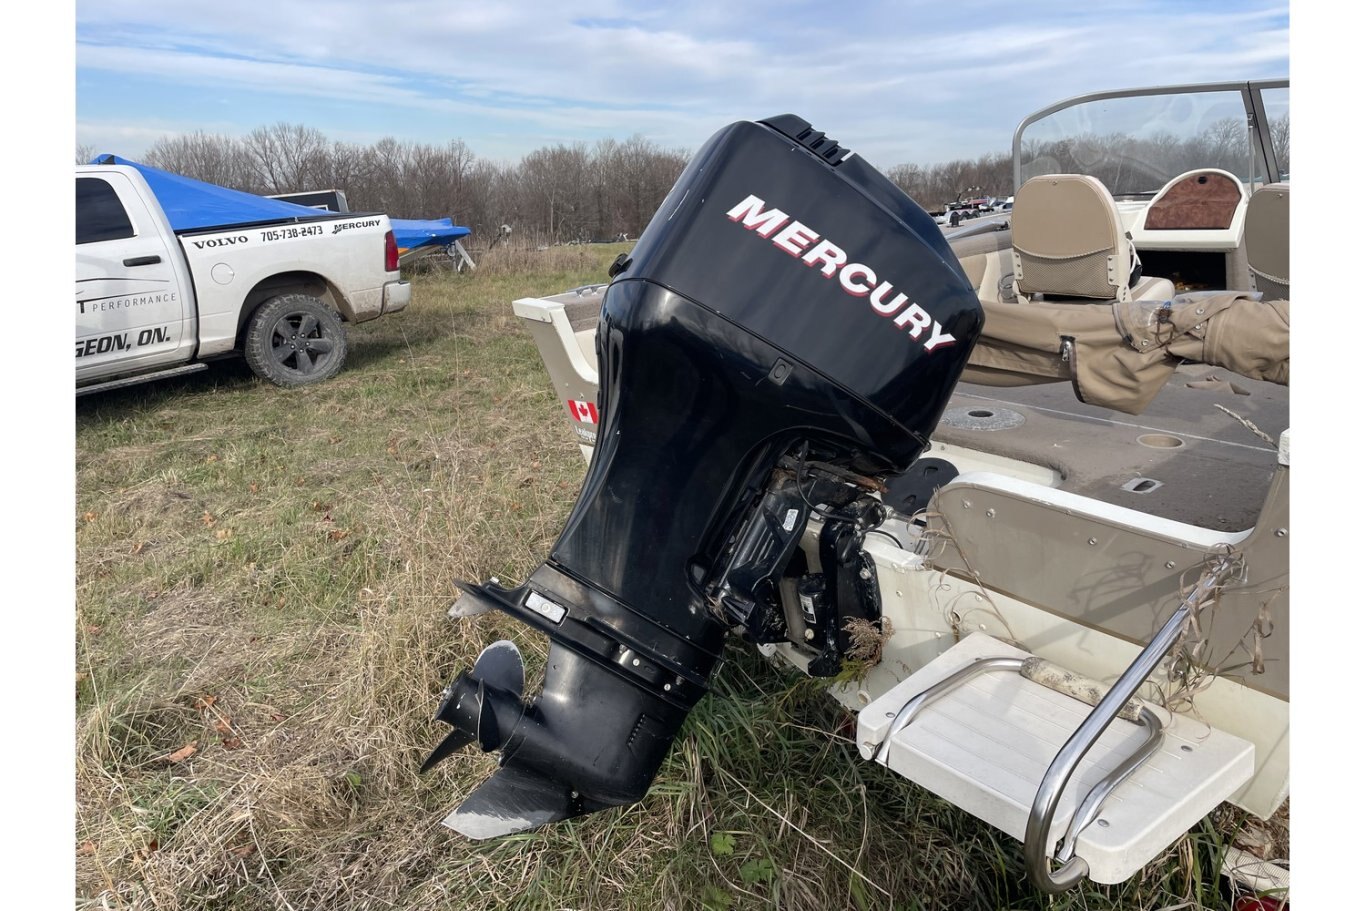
(294,340)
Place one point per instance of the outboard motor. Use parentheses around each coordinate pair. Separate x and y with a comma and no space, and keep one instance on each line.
(786,332)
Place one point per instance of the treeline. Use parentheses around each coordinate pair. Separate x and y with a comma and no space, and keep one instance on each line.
(1124,163)
(557,194)
(579,192)
(933,186)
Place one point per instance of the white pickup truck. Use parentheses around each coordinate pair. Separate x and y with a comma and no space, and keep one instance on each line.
(170,278)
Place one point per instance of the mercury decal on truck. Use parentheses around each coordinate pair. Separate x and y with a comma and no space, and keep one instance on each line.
(118,341)
(368,223)
(858,280)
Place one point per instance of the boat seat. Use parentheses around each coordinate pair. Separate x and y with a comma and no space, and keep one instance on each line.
(1267,230)
(1069,244)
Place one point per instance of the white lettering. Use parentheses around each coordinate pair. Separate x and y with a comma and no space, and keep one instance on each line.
(915,317)
(857,279)
(938,337)
(829,254)
(761,222)
(876,301)
(795,238)
(854,271)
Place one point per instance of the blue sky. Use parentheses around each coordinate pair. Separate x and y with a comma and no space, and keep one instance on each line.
(919,82)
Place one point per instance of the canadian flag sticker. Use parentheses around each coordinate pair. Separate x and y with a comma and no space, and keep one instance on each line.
(585,412)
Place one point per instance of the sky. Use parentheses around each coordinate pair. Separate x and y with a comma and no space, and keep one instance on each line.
(918,82)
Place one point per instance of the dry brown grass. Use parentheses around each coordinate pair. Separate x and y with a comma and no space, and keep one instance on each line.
(521,258)
(264,574)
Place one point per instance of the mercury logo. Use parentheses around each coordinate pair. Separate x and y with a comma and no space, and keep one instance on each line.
(858,280)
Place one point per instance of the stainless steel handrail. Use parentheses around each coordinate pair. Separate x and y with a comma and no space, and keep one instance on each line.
(1089,808)
(1065,763)
(912,708)
(1036,844)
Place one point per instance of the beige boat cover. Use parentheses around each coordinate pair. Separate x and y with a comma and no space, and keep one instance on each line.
(1122,353)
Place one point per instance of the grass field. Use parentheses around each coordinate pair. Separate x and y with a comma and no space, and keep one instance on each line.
(262,582)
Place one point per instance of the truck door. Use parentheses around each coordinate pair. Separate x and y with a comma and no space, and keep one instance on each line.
(130,305)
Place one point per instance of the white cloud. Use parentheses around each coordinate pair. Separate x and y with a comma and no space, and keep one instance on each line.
(245,74)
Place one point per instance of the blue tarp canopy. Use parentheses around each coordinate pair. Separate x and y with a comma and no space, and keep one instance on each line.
(191,204)
(413,233)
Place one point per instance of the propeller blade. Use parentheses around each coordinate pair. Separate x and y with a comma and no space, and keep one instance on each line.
(513,800)
(469,704)
(500,665)
(455,740)
(487,731)
(450,713)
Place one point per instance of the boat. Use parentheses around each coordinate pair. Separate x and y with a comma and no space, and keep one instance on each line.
(1066,610)
(418,237)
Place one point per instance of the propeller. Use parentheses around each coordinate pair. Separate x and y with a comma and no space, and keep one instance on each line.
(591,740)
(514,798)
(471,702)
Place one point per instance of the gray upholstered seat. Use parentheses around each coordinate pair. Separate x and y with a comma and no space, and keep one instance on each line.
(1267,230)
(1069,243)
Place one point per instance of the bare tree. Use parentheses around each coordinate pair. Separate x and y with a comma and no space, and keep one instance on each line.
(217,159)
(289,157)
(1280,144)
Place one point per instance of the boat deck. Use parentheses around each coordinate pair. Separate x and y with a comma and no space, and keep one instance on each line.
(1209,469)
(1206,467)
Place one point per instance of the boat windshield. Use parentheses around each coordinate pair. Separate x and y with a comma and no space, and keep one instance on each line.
(1135,142)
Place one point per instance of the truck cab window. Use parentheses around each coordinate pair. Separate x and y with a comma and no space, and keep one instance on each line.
(99,214)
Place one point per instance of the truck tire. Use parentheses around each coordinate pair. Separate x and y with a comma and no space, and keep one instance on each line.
(295,340)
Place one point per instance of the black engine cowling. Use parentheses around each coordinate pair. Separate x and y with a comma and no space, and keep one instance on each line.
(786,331)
